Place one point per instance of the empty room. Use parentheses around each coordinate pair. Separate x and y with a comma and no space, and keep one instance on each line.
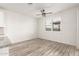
(39,29)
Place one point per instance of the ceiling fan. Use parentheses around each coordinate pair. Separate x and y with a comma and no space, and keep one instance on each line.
(43,13)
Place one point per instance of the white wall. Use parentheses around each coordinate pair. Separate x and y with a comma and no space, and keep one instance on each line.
(19,27)
(1,18)
(1,22)
(77,28)
(68,28)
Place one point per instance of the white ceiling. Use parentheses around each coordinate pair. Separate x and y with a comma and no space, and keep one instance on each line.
(32,9)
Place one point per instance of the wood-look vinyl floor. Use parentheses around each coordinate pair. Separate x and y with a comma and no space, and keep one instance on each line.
(41,47)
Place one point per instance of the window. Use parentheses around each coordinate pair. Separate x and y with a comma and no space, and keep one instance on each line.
(56,26)
(56,23)
(52,23)
(48,24)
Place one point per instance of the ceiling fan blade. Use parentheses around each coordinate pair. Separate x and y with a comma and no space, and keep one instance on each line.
(49,13)
(38,14)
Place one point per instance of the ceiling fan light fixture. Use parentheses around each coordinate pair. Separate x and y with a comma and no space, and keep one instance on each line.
(44,14)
